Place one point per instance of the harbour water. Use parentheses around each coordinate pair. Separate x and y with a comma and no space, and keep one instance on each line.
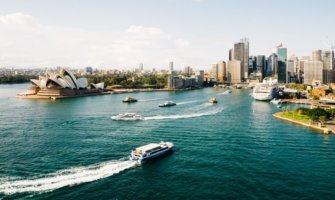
(71,149)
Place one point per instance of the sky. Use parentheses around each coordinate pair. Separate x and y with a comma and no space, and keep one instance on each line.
(110,34)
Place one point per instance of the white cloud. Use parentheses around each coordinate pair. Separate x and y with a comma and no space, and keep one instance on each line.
(26,42)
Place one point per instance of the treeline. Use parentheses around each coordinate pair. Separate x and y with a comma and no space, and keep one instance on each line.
(130,81)
(317,113)
(16,79)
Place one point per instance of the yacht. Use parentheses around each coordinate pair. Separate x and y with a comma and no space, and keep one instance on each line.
(212,100)
(265,91)
(150,151)
(167,104)
(127,117)
(129,100)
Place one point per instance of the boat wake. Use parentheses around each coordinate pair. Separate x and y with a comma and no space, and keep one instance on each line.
(67,177)
(159,117)
(146,100)
(224,93)
(186,102)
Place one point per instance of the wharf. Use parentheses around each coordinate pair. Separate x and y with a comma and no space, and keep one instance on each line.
(300,101)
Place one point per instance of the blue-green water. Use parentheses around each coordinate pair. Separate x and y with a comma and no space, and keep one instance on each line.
(71,149)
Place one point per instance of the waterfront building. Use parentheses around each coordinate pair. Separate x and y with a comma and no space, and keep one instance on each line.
(171,66)
(140,67)
(328,59)
(188,70)
(239,51)
(231,54)
(292,69)
(316,55)
(215,72)
(261,67)
(328,76)
(60,84)
(313,71)
(221,71)
(234,74)
(272,62)
(282,64)
(245,63)
(200,77)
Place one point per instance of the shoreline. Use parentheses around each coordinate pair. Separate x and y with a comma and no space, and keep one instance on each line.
(106,92)
(325,130)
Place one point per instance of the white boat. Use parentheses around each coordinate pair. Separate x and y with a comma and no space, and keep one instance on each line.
(150,151)
(265,91)
(167,104)
(127,117)
(275,101)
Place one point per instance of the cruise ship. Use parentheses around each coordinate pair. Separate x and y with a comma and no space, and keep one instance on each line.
(265,91)
(150,151)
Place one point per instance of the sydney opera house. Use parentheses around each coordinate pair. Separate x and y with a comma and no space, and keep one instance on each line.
(61,85)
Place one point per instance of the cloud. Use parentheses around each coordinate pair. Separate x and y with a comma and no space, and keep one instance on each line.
(26,42)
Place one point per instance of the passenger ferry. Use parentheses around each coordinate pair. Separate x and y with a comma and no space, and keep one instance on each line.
(150,151)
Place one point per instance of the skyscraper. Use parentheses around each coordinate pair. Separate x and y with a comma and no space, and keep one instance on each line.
(316,55)
(140,66)
(171,66)
(328,60)
(221,71)
(234,74)
(239,49)
(271,69)
(215,72)
(245,63)
(313,71)
(282,64)
(261,66)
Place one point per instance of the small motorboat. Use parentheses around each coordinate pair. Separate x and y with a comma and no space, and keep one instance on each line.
(129,100)
(127,117)
(167,104)
(212,100)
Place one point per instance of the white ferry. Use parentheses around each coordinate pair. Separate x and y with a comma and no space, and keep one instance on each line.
(265,91)
(127,117)
(150,151)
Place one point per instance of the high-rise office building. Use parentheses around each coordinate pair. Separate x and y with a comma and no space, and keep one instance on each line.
(140,66)
(328,60)
(171,66)
(313,71)
(272,65)
(221,71)
(282,64)
(188,70)
(245,63)
(215,72)
(200,77)
(261,66)
(234,74)
(316,55)
(239,49)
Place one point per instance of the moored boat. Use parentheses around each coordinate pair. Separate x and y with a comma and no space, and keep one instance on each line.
(150,151)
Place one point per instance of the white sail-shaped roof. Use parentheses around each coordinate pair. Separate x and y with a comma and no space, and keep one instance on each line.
(82,83)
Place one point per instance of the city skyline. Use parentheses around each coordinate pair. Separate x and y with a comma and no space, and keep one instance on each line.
(123,34)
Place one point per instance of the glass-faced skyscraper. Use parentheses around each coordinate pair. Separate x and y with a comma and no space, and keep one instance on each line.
(282,64)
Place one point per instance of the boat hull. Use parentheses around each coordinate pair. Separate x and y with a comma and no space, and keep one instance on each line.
(153,156)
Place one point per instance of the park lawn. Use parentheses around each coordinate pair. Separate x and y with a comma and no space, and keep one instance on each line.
(295,116)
